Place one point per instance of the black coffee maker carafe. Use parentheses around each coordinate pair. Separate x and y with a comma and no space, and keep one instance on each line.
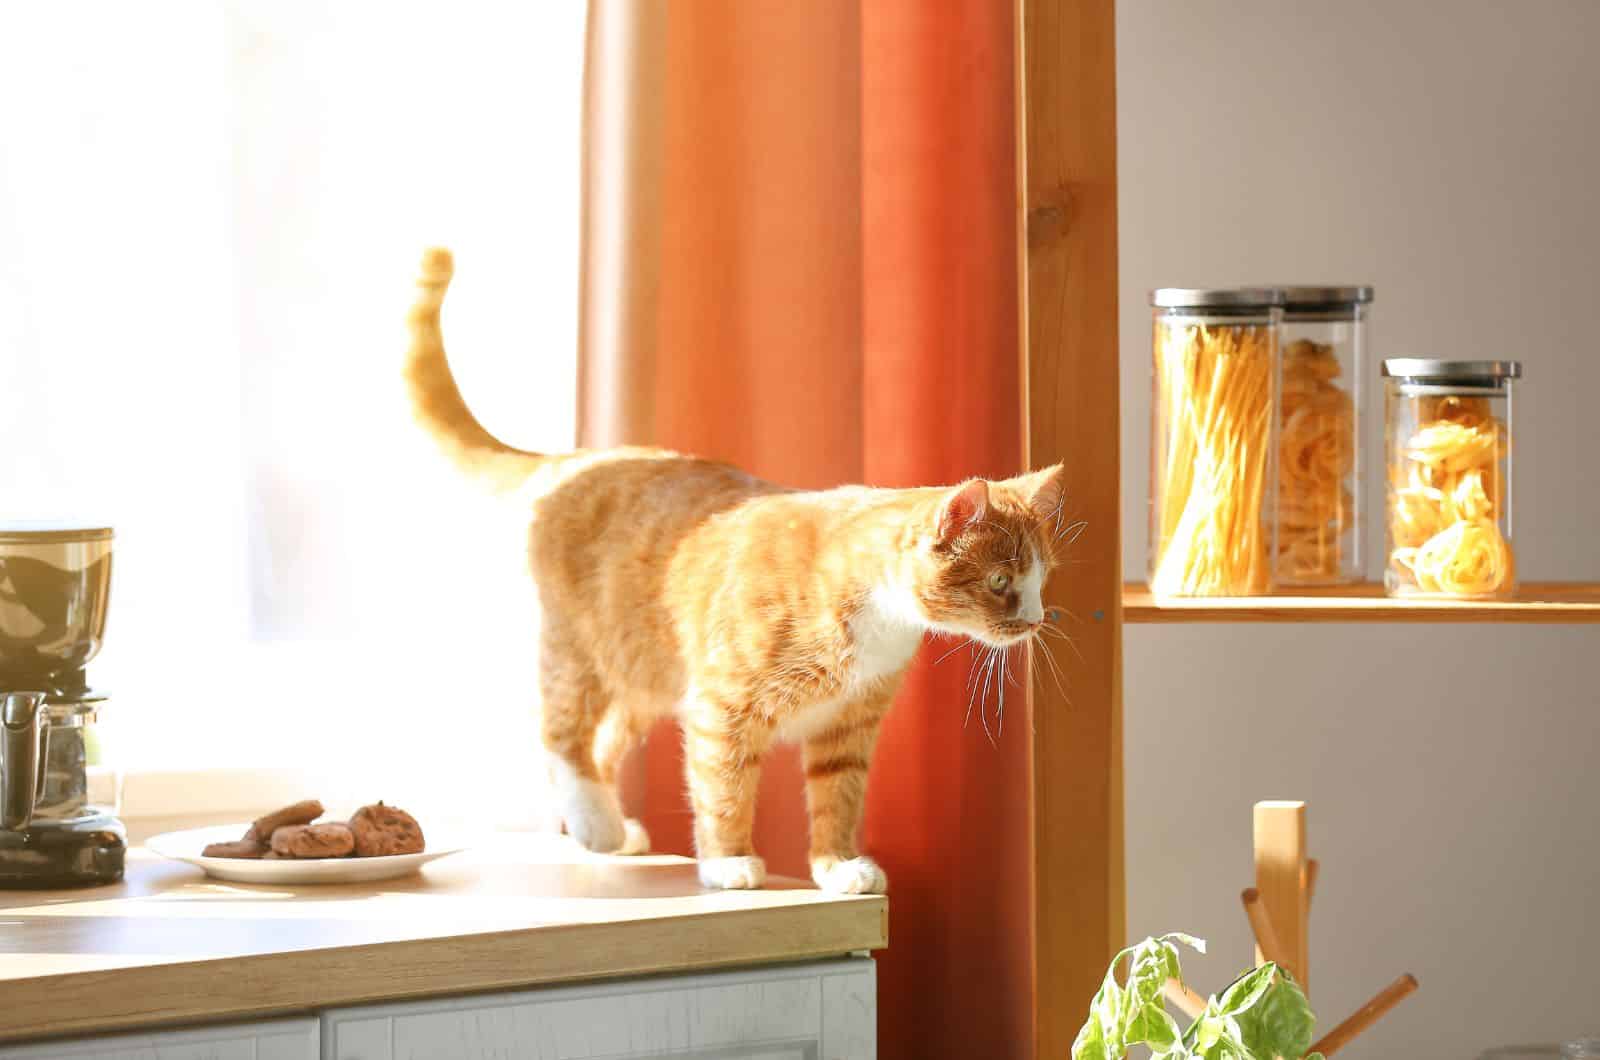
(55,582)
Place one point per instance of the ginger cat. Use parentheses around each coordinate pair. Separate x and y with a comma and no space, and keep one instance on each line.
(755,613)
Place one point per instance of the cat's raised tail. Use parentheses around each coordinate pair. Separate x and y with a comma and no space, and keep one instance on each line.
(436,401)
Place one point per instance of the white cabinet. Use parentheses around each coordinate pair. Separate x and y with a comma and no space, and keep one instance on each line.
(820,1011)
(296,1039)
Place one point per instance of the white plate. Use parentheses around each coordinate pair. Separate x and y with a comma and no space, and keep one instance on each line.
(187,845)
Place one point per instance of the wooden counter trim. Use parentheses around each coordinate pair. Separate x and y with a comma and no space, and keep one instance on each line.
(123,999)
(169,946)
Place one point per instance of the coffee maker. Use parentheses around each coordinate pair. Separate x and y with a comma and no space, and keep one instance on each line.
(55,583)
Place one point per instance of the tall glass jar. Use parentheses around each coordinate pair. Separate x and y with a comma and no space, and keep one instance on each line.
(1212,451)
(1450,450)
(1319,456)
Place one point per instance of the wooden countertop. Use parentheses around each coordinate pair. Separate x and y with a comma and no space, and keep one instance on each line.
(169,945)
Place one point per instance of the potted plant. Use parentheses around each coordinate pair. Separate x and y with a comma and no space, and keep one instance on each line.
(1262,1015)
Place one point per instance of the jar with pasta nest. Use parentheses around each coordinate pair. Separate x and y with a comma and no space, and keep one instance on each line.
(1449,458)
(1213,431)
(1324,343)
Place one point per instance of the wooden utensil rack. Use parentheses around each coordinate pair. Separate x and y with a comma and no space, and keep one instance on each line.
(1278,908)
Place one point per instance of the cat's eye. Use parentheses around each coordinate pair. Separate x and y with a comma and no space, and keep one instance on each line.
(999,580)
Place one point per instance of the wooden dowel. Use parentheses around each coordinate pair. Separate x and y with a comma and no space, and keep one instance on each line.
(1366,1015)
(1313,866)
(1261,926)
(1189,1003)
(1280,859)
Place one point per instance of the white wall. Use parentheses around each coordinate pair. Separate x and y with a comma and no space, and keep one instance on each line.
(1448,154)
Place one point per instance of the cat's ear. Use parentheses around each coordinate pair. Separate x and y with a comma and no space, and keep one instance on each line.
(965,505)
(1042,491)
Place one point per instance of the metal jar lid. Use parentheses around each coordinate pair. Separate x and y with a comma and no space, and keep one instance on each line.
(1324,303)
(1235,298)
(1423,370)
(1313,297)
(41,532)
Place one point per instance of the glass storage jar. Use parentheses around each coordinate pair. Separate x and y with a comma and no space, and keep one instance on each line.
(1212,458)
(1450,451)
(1324,343)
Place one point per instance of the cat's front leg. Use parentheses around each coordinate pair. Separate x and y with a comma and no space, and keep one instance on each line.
(722,757)
(836,764)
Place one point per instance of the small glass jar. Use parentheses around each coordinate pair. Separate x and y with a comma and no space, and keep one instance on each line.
(1450,449)
(1319,456)
(1212,450)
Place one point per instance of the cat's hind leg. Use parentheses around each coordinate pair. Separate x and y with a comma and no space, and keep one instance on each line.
(618,733)
(573,704)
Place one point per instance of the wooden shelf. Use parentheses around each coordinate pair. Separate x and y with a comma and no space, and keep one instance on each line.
(1544,602)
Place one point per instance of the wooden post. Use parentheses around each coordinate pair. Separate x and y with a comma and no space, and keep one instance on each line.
(1067,146)
(1280,845)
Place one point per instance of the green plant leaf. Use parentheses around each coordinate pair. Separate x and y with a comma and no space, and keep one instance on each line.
(1280,1023)
(1100,1037)
(1248,989)
(1196,944)
(1133,1014)
(1091,1042)
(1155,1028)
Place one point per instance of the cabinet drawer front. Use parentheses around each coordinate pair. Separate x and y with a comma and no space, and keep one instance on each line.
(296,1039)
(819,1011)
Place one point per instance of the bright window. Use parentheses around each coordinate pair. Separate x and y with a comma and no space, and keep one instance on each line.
(210,217)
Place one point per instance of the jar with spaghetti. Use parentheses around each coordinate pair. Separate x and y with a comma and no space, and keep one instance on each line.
(1319,459)
(1450,449)
(1212,453)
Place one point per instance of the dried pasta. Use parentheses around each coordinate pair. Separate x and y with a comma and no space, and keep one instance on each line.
(1316,453)
(1446,499)
(1214,386)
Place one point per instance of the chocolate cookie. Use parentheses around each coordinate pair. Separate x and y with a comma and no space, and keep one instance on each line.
(239,848)
(383,830)
(313,841)
(303,812)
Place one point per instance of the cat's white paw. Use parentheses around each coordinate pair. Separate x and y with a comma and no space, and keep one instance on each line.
(635,840)
(594,820)
(733,874)
(855,876)
(591,811)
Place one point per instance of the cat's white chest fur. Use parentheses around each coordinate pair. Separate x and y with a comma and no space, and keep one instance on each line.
(886,632)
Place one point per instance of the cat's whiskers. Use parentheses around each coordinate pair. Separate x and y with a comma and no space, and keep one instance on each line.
(1055,514)
(1061,634)
(1000,712)
(1043,649)
(972,685)
(1069,534)
(983,699)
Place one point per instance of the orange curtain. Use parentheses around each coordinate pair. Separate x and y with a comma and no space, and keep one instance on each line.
(947,813)
(800,257)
